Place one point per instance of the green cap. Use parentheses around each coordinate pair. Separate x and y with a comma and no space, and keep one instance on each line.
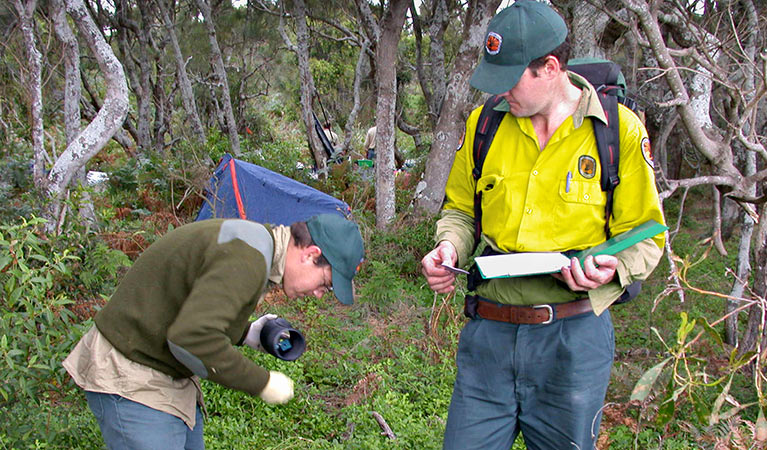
(524,31)
(341,243)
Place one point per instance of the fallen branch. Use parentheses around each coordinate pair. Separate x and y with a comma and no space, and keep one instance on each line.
(384,426)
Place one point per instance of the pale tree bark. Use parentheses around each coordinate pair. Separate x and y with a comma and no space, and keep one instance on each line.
(71,59)
(351,120)
(720,60)
(587,27)
(386,80)
(220,72)
(449,128)
(432,77)
(72,94)
(107,121)
(753,328)
(301,49)
(187,94)
(364,66)
(124,136)
(136,65)
(163,109)
(33,75)
(743,270)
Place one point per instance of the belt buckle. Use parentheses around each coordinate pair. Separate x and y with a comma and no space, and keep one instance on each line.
(549,309)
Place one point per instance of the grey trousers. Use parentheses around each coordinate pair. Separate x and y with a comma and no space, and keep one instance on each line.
(547,381)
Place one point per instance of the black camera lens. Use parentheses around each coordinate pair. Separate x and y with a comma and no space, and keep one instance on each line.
(280,339)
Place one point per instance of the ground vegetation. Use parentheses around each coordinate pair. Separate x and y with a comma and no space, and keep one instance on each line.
(157,89)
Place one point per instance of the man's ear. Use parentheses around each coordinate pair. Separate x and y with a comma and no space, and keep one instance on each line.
(311,252)
(552,66)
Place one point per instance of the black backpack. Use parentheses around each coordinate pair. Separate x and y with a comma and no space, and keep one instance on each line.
(607,79)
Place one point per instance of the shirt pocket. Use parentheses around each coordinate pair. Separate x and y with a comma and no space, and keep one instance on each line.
(496,200)
(579,207)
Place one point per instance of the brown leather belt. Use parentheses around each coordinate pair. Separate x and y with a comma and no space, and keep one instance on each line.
(535,314)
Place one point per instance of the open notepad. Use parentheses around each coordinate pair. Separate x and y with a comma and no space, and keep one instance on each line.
(536,263)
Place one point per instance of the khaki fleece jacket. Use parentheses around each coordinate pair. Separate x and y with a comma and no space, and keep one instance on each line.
(186,302)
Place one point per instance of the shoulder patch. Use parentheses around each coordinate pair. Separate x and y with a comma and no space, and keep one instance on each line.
(460,141)
(587,166)
(252,233)
(647,152)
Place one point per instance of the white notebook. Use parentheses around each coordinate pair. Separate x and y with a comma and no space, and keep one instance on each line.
(520,264)
(516,264)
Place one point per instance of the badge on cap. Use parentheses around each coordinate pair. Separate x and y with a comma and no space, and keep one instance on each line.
(493,43)
(587,166)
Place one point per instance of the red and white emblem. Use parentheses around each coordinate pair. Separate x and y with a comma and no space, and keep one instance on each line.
(647,152)
(493,43)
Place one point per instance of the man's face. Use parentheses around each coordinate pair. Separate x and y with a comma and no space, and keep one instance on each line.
(525,97)
(302,276)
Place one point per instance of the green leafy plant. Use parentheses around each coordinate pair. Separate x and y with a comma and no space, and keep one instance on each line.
(36,327)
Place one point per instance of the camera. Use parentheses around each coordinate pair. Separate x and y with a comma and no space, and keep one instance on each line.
(280,339)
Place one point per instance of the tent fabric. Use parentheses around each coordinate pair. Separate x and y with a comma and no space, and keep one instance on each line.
(239,189)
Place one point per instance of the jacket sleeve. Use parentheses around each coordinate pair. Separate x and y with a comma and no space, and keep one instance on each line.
(635,202)
(456,223)
(223,296)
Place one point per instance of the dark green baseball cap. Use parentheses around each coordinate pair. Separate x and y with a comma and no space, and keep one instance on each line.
(524,31)
(341,243)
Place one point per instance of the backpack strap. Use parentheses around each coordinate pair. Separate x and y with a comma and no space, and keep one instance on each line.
(487,125)
(608,147)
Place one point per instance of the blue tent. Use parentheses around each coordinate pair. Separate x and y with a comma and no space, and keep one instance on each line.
(247,191)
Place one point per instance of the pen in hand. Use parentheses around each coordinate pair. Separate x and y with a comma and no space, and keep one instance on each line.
(454,269)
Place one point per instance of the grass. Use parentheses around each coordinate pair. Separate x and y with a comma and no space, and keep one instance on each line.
(392,353)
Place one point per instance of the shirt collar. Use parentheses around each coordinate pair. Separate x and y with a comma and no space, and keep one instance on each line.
(588,105)
(281,234)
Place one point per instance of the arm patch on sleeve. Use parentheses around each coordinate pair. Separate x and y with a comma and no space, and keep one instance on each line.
(191,362)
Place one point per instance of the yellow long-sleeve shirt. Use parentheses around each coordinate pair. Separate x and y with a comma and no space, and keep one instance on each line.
(529,205)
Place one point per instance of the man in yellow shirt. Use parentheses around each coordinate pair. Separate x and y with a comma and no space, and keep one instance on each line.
(537,354)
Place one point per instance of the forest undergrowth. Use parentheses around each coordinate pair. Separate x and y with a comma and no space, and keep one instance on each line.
(387,359)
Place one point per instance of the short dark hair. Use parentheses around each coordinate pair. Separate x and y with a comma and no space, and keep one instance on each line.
(562,53)
(301,236)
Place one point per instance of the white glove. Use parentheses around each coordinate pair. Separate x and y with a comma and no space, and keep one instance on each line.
(253,339)
(279,388)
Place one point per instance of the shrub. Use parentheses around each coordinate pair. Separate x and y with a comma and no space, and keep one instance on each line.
(36,328)
(42,282)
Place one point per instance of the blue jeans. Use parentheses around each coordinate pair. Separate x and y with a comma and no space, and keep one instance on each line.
(127,425)
(547,381)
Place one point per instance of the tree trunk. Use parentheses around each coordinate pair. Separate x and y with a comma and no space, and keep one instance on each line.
(72,94)
(71,58)
(301,49)
(713,60)
(187,94)
(107,121)
(26,10)
(220,72)
(587,28)
(386,62)
(136,67)
(743,272)
(755,325)
(351,121)
(447,133)
(432,78)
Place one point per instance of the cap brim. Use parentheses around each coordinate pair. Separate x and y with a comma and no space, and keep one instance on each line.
(496,79)
(342,288)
